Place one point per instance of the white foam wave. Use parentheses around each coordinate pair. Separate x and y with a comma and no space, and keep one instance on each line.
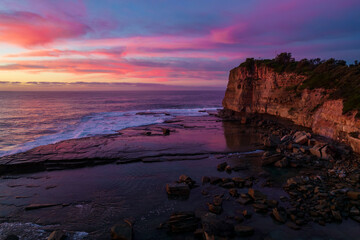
(108,123)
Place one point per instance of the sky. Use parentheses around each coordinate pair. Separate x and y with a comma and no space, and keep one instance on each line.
(163,44)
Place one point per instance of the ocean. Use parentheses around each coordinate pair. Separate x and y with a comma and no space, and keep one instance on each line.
(31,119)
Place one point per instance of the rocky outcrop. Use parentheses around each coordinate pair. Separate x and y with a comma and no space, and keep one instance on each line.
(260,89)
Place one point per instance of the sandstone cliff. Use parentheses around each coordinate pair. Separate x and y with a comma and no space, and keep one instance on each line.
(258,88)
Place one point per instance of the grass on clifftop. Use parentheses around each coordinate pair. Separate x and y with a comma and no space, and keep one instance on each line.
(328,74)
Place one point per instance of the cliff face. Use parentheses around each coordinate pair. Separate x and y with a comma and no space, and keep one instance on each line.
(262,90)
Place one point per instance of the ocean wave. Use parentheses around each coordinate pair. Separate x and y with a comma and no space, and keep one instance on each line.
(107,123)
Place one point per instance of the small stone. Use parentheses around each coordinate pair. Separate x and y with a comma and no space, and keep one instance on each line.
(239,182)
(244,201)
(222,166)
(244,231)
(166,131)
(217,200)
(214,208)
(260,208)
(247,214)
(228,185)
(256,195)
(233,192)
(278,215)
(180,222)
(228,169)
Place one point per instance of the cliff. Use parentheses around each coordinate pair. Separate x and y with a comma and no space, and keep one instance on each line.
(259,87)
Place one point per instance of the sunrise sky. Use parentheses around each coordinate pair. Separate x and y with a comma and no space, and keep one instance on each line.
(163,44)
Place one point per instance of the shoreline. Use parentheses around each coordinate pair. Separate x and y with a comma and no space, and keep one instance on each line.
(109,193)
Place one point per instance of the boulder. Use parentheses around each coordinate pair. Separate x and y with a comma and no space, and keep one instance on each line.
(122,231)
(256,195)
(267,160)
(186,179)
(301,137)
(279,215)
(177,189)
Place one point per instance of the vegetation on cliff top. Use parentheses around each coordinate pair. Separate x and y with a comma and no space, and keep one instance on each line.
(333,74)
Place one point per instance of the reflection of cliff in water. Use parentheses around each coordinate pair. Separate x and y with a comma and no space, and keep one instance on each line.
(237,135)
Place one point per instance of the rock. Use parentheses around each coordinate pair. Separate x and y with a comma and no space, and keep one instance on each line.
(256,195)
(244,200)
(180,222)
(316,150)
(282,163)
(272,203)
(217,200)
(269,160)
(12,237)
(300,137)
(122,231)
(177,189)
(217,209)
(166,131)
(260,208)
(228,185)
(239,182)
(244,231)
(186,179)
(294,181)
(353,195)
(228,169)
(279,215)
(272,141)
(205,180)
(233,192)
(247,214)
(222,166)
(285,138)
(37,206)
(57,235)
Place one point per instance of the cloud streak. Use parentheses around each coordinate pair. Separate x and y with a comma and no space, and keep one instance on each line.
(191,43)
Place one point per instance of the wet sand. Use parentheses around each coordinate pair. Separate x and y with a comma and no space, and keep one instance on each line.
(91,196)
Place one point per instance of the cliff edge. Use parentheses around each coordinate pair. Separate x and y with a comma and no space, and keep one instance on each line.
(321,95)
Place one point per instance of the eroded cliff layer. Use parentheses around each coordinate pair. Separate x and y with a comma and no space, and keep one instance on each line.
(260,88)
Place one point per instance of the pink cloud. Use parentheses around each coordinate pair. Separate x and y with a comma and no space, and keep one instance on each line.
(29,29)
